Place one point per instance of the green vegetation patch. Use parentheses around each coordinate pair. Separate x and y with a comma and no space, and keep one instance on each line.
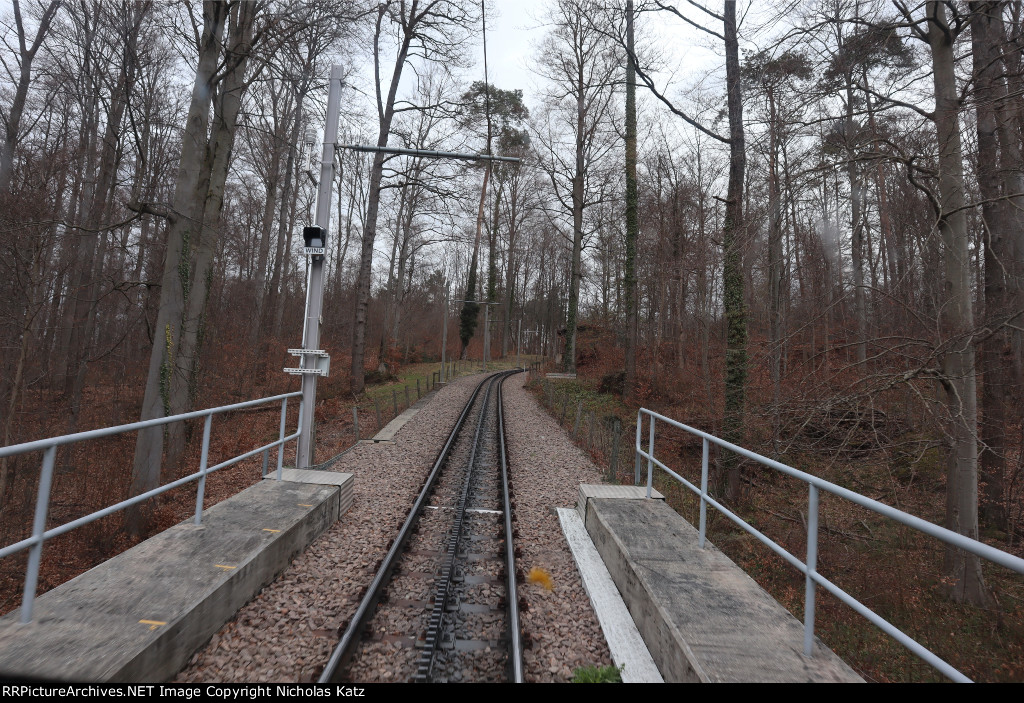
(597,674)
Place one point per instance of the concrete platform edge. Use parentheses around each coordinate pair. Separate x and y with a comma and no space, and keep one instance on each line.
(627,647)
(388,432)
(672,655)
(702,617)
(86,629)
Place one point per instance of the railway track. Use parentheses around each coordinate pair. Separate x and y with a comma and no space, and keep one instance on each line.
(443,604)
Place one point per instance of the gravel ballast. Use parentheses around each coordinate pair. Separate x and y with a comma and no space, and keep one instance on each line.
(288,631)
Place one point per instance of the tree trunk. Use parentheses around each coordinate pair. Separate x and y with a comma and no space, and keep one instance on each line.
(856,225)
(385,114)
(986,36)
(576,271)
(1010,131)
(184,382)
(33,305)
(346,217)
(510,280)
(83,195)
(632,220)
(470,309)
(284,226)
(492,265)
(775,263)
(263,253)
(93,253)
(957,320)
(181,229)
(888,245)
(733,240)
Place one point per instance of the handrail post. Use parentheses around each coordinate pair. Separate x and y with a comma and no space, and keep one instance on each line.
(280,438)
(35,554)
(650,460)
(202,468)
(812,565)
(280,466)
(636,449)
(703,492)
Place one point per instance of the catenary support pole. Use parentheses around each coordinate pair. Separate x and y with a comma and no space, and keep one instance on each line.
(315,292)
(519,339)
(444,340)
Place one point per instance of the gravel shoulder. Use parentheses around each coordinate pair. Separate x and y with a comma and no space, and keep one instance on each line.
(546,470)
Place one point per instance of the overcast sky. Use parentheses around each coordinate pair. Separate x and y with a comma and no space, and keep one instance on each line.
(510,41)
(512,37)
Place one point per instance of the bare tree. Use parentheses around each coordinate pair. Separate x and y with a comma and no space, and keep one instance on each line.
(21,76)
(957,376)
(1000,175)
(579,62)
(632,222)
(432,31)
(773,77)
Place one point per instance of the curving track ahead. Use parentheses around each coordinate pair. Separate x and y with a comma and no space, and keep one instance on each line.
(443,604)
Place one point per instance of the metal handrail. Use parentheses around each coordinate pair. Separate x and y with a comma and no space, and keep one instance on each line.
(49,448)
(809,569)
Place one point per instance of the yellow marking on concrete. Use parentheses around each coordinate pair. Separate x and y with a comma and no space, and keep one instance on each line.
(222,566)
(267,529)
(305,505)
(153,624)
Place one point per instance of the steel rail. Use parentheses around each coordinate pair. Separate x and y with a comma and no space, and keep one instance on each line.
(340,655)
(427,658)
(511,595)
(443,587)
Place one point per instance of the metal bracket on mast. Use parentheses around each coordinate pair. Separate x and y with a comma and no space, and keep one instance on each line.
(321,362)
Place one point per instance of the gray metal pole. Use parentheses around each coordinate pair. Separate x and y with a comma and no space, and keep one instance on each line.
(444,337)
(519,339)
(487,336)
(315,294)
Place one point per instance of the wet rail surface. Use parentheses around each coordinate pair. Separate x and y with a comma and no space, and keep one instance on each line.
(443,605)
